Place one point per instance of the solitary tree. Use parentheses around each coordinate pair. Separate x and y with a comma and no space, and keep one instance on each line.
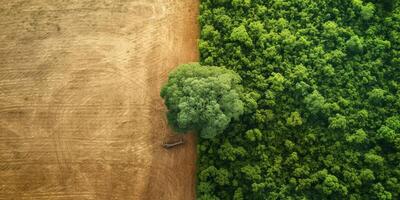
(202,98)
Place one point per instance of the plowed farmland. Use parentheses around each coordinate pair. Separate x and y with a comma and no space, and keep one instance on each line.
(80,112)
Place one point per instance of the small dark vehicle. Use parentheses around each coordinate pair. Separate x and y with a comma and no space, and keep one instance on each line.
(171,144)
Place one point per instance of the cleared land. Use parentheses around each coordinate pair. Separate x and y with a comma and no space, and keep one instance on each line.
(80,112)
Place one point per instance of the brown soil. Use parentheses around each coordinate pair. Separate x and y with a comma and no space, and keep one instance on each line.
(80,112)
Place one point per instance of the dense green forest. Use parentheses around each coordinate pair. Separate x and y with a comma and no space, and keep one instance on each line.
(321,99)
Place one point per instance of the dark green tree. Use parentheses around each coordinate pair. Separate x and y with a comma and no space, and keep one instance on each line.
(202,98)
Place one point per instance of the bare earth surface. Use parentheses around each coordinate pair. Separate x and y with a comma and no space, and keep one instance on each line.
(80,112)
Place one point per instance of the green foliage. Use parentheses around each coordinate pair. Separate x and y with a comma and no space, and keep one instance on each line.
(315,102)
(240,34)
(321,98)
(338,122)
(359,137)
(294,119)
(241,3)
(253,135)
(355,44)
(367,11)
(202,98)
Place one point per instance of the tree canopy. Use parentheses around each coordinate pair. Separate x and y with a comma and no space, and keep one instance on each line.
(202,98)
(322,101)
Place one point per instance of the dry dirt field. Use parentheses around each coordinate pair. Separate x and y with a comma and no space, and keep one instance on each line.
(80,112)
